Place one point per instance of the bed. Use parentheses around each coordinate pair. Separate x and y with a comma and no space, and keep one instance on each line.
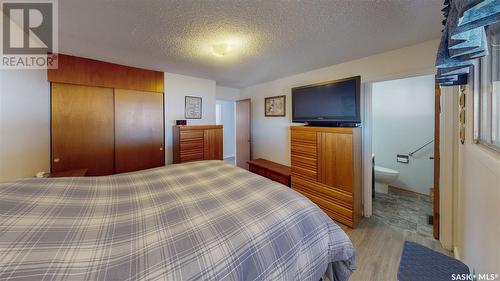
(203,220)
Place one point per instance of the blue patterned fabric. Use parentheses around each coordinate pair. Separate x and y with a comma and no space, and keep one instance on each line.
(420,263)
(196,221)
(463,38)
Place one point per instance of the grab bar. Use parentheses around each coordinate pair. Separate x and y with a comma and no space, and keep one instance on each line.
(420,148)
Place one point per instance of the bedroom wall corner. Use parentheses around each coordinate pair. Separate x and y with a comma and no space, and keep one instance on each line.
(177,87)
(227,94)
(24,123)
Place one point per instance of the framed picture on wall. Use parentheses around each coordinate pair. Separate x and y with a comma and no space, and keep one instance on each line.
(193,107)
(275,106)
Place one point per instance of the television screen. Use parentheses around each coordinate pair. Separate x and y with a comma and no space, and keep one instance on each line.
(332,101)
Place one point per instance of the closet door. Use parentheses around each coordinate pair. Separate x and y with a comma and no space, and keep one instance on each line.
(138,130)
(82,129)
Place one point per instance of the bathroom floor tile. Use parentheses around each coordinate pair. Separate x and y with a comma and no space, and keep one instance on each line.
(406,212)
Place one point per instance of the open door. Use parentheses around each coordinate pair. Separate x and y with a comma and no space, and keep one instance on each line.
(437,111)
(243,137)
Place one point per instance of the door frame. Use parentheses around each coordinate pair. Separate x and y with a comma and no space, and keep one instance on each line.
(234,124)
(437,160)
(367,129)
(249,100)
(448,138)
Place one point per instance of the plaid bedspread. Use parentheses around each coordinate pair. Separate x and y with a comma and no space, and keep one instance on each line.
(196,221)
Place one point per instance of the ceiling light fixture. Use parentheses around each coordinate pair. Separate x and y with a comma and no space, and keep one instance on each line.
(222,49)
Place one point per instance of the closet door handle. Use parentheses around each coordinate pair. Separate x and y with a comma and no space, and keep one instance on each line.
(57,160)
(161,148)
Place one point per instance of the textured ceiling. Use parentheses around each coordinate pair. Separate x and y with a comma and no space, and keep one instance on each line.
(273,38)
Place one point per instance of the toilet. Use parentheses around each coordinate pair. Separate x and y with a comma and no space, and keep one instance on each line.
(383,177)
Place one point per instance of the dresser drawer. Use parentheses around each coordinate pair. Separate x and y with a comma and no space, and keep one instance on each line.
(304,149)
(305,166)
(303,172)
(310,163)
(335,211)
(303,136)
(334,195)
(191,155)
(191,144)
(192,134)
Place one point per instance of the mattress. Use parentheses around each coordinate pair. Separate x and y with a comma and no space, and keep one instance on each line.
(203,220)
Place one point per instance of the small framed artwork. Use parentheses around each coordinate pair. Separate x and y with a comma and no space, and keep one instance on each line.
(275,106)
(193,107)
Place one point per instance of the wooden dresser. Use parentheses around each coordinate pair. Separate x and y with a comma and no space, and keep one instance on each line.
(271,170)
(326,167)
(195,143)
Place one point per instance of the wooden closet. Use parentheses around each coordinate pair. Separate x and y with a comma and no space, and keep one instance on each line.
(105,117)
(195,143)
(326,168)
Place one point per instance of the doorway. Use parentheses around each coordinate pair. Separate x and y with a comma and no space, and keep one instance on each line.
(403,118)
(243,133)
(225,116)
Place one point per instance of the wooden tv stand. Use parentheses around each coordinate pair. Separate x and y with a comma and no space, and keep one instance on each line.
(326,168)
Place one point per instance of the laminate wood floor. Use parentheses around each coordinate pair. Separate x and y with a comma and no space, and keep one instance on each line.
(379,246)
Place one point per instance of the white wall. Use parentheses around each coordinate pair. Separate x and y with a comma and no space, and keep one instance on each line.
(229,131)
(478,231)
(403,120)
(176,88)
(228,94)
(24,123)
(270,135)
(480,171)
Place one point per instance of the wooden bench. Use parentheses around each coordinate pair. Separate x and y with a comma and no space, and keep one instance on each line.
(271,170)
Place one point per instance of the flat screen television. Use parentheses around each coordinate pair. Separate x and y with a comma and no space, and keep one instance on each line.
(334,102)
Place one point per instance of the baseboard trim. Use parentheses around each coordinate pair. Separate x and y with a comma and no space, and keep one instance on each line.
(409,192)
